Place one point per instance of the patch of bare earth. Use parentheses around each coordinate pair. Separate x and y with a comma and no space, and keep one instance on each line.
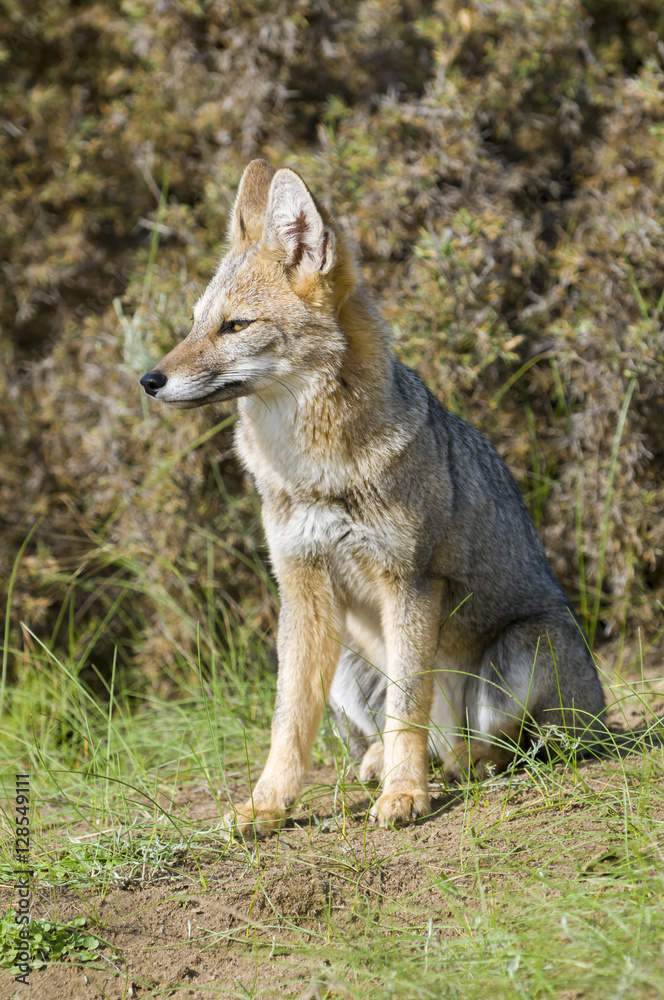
(235,917)
(195,933)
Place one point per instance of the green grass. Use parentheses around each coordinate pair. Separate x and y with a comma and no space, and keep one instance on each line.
(51,942)
(539,883)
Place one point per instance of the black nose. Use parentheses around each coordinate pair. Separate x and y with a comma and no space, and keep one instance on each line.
(153,381)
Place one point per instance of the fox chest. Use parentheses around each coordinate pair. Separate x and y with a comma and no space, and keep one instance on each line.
(359,555)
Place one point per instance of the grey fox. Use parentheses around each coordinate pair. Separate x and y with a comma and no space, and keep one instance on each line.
(415,593)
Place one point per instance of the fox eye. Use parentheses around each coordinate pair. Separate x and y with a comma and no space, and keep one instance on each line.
(234,325)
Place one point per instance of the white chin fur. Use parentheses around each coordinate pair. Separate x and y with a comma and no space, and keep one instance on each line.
(182,390)
(183,404)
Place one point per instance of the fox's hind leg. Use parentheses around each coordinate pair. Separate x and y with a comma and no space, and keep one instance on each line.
(357,707)
(373,763)
(537,673)
(356,704)
(478,759)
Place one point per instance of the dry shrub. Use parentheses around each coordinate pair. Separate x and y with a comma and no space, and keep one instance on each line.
(500,165)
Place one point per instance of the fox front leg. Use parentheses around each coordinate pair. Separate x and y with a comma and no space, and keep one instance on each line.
(410,624)
(308,651)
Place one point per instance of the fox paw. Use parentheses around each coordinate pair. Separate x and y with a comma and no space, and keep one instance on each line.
(249,819)
(399,808)
(475,761)
(460,773)
(371,768)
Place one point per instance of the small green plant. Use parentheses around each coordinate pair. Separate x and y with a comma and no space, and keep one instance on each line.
(49,942)
(112,859)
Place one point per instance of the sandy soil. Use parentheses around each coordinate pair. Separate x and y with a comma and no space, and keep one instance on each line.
(186,936)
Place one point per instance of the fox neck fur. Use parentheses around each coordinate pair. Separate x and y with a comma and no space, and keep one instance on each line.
(341,424)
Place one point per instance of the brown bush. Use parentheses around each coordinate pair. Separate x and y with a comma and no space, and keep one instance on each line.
(500,166)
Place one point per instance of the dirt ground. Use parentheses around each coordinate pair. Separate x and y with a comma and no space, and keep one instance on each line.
(182,935)
(163,931)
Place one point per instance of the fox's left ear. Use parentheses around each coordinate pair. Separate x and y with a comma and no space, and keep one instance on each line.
(295,226)
(248,215)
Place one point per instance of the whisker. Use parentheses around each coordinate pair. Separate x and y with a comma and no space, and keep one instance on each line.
(258,396)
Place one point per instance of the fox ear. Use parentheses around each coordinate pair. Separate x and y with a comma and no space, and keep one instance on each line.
(248,215)
(295,225)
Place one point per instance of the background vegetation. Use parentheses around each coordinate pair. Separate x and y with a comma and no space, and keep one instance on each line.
(500,167)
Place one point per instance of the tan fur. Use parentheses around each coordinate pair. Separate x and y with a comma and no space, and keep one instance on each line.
(415,594)
(478,759)
(249,215)
(309,636)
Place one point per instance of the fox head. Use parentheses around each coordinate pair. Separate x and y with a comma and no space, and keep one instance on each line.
(270,317)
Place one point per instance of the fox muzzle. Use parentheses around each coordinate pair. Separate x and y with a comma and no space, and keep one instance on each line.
(152,382)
